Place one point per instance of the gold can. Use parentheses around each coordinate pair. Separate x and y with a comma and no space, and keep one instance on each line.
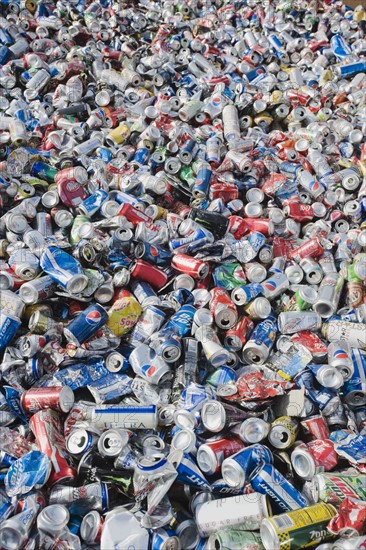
(124,313)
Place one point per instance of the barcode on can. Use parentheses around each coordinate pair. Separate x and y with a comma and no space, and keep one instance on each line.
(283,522)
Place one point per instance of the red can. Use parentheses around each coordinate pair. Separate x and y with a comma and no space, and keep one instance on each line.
(299,211)
(58,398)
(47,428)
(263,225)
(76,173)
(322,450)
(222,308)
(238,227)
(211,455)
(237,336)
(313,343)
(144,271)
(190,266)
(316,427)
(133,214)
(309,249)
(225,191)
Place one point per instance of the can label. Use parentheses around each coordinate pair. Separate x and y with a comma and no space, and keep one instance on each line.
(303,528)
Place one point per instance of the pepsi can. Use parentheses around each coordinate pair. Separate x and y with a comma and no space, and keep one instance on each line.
(86,324)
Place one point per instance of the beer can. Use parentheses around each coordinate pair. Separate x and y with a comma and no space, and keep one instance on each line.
(236,469)
(283,432)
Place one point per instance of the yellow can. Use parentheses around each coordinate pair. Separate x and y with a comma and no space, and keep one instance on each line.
(297,529)
(124,313)
(118,135)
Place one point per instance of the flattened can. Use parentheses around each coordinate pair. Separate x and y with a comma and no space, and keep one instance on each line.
(297,529)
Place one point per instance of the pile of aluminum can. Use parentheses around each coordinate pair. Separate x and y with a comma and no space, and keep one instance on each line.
(182,275)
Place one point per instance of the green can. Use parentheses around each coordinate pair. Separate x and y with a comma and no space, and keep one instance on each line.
(234,539)
(334,488)
(229,276)
(43,171)
(303,299)
(186,174)
(78,221)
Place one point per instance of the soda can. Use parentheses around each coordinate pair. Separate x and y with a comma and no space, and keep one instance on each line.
(312,270)
(259,308)
(58,398)
(261,341)
(235,539)
(248,511)
(242,295)
(309,249)
(38,290)
(236,337)
(63,269)
(314,457)
(236,469)
(290,322)
(91,527)
(222,308)
(253,430)
(124,313)
(274,285)
(353,333)
(283,432)
(265,479)
(355,387)
(211,454)
(333,488)
(183,263)
(86,324)
(328,295)
(316,427)
(297,528)
(47,429)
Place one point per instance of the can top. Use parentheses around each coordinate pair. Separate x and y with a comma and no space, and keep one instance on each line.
(213,416)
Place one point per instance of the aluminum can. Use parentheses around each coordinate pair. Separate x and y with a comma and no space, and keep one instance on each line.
(236,469)
(211,455)
(245,510)
(58,398)
(267,480)
(297,528)
(86,324)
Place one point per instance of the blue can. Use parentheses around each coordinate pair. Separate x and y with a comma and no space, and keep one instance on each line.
(258,72)
(144,293)
(289,169)
(246,293)
(182,320)
(91,205)
(353,68)
(63,269)
(256,240)
(284,496)
(340,47)
(164,539)
(104,154)
(141,156)
(8,328)
(201,185)
(6,507)
(153,254)
(355,388)
(189,244)
(86,324)
(6,459)
(221,375)
(237,469)
(322,397)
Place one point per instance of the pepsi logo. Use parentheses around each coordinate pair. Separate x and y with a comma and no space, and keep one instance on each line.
(148,370)
(216,101)
(271,285)
(315,186)
(340,354)
(93,317)
(154,251)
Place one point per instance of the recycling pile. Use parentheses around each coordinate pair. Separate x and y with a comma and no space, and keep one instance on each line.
(182,275)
